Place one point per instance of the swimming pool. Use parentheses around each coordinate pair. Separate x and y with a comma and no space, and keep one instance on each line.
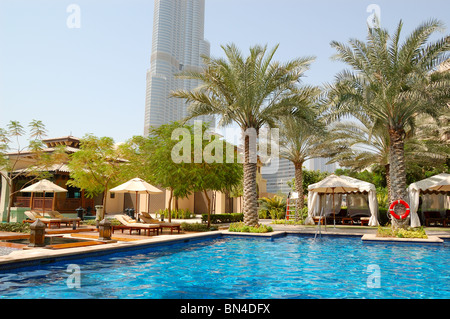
(247,268)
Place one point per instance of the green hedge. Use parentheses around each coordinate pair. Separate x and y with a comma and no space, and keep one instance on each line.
(224,218)
(280,214)
(93,222)
(197,227)
(15,227)
(242,228)
(177,214)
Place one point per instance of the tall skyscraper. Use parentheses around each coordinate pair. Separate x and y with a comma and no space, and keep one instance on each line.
(178,44)
(277,183)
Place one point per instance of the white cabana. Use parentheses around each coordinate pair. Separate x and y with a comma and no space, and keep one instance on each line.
(427,185)
(315,205)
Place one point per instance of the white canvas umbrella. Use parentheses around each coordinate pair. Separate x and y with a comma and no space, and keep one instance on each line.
(44,186)
(137,186)
(333,184)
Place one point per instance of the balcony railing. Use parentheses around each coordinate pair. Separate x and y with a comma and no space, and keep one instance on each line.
(61,204)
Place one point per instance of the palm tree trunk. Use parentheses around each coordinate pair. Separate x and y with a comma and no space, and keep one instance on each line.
(250,193)
(299,187)
(170,205)
(397,171)
(209,206)
(388,183)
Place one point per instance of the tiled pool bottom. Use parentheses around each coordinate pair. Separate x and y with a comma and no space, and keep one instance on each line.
(246,268)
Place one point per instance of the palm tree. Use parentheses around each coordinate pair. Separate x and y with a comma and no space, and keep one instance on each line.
(366,145)
(300,141)
(392,83)
(252,92)
(435,131)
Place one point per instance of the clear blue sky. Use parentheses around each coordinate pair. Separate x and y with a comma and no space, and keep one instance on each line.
(92,79)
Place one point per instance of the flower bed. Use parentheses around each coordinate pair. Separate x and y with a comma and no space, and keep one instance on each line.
(401,233)
(242,228)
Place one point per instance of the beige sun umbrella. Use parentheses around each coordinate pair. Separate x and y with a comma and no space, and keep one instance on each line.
(443,186)
(137,186)
(333,184)
(44,186)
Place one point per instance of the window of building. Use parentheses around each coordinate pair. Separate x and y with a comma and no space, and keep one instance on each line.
(73,192)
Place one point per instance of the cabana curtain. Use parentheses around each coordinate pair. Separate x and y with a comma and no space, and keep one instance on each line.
(414,191)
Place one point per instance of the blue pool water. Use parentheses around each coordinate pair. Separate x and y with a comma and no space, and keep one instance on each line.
(250,268)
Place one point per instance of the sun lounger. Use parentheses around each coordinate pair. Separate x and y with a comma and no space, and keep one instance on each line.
(433,217)
(68,221)
(319,218)
(148,219)
(347,221)
(33,216)
(131,225)
(365,221)
(447,218)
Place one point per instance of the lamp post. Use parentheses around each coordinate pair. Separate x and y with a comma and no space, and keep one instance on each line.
(37,234)
(104,230)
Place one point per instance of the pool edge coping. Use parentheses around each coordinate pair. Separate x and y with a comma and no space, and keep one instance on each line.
(429,240)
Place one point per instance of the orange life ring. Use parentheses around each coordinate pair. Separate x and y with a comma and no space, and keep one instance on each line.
(397,202)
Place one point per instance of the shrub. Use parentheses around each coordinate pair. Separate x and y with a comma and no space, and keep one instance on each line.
(223,218)
(263,214)
(287,222)
(275,207)
(242,228)
(402,233)
(383,216)
(278,215)
(90,222)
(15,227)
(382,197)
(176,214)
(304,213)
(412,233)
(93,222)
(197,227)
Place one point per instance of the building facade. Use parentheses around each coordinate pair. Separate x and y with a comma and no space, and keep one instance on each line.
(24,174)
(278,183)
(178,45)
